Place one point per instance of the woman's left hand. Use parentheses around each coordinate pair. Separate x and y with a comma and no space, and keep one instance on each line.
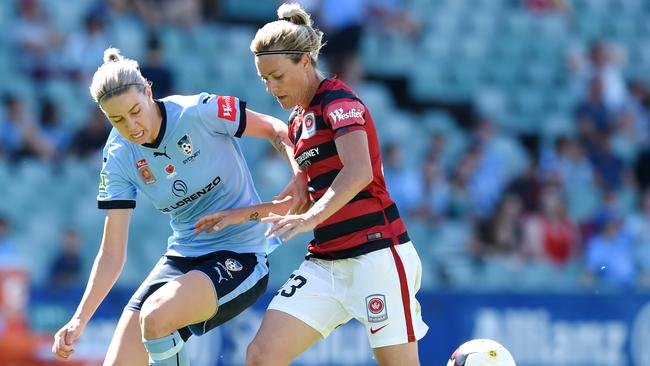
(297,189)
(289,225)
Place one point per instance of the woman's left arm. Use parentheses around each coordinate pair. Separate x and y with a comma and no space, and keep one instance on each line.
(276,131)
(353,178)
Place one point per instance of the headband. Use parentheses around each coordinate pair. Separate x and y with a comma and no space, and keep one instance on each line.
(281,52)
(116,90)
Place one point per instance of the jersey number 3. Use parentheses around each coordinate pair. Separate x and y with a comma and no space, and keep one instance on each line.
(294,283)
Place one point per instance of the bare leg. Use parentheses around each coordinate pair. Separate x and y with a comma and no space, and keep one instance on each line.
(186,300)
(398,355)
(126,347)
(280,339)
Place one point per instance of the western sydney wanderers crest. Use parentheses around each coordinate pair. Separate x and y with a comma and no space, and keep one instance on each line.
(308,125)
(145,171)
(376,308)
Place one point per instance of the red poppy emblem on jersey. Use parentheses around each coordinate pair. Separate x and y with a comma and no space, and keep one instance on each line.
(169,169)
(375,305)
(226,106)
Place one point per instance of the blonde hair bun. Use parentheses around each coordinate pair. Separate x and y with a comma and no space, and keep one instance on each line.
(294,13)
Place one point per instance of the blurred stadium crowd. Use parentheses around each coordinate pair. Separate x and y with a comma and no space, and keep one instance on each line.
(516,133)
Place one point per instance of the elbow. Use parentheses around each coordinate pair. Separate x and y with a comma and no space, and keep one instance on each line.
(365,176)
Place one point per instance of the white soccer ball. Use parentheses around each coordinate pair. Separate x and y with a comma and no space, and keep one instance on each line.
(481,352)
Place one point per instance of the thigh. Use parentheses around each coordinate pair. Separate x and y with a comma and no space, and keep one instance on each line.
(282,337)
(311,294)
(398,355)
(213,289)
(238,280)
(382,295)
(187,299)
(126,347)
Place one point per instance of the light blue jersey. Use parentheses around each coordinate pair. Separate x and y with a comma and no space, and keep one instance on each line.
(194,168)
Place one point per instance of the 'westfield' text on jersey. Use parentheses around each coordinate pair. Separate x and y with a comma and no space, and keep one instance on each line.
(338,115)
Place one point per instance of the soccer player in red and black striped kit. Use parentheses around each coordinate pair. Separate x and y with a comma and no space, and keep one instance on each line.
(361,263)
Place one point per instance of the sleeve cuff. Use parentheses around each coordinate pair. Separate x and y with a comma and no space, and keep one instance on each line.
(107,205)
(242,119)
(347,129)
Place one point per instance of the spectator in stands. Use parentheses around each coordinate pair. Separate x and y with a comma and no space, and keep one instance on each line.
(604,64)
(499,159)
(528,186)
(433,196)
(19,135)
(84,46)
(37,41)
(461,205)
(89,141)
(550,234)
(403,183)
(155,70)
(57,136)
(184,13)
(636,109)
(65,269)
(609,254)
(609,168)
(593,116)
(570,164)
(501,234)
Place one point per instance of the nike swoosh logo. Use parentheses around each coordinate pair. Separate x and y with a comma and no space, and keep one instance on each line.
(373,331)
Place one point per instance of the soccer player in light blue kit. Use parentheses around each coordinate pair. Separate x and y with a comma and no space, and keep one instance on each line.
(181,152)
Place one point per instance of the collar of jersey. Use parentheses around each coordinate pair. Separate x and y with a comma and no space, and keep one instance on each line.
(163,127)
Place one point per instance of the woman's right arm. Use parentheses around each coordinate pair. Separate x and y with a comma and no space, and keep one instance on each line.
(240,215)
(106,269)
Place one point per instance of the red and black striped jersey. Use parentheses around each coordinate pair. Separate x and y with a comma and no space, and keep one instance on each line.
(370,221)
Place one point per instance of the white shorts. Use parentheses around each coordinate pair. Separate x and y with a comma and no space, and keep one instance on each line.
(378,289)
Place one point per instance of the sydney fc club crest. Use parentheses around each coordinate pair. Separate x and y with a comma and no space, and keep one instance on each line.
(233,265)
(185,144)
(376,308)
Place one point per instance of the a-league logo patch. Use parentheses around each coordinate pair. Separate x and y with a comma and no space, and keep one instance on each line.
(376,308)
(308,125)
(233,265)
(185,144)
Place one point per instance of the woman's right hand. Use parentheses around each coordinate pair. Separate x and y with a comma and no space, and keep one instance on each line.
(65,338)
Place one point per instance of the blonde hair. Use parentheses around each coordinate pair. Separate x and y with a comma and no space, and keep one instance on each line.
(292,33)
(115,76)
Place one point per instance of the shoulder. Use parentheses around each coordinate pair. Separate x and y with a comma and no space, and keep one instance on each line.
(183,102)
(117,147)
(336,91)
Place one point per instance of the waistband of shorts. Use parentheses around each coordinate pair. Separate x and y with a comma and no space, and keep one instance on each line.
(361,249)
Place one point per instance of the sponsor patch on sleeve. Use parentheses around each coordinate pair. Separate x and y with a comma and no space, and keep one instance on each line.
(345,113)
(226,108)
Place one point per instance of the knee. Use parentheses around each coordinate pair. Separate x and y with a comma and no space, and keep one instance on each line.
(154,322)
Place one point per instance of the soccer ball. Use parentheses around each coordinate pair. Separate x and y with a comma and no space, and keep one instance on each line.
(481,352)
